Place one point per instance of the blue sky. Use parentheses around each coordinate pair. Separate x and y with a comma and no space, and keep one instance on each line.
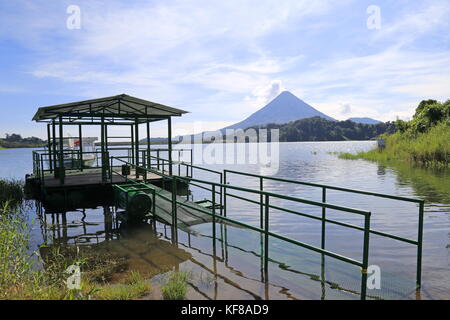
(223,60)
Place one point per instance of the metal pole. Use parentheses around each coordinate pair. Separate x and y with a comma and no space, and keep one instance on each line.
(136,138)
(261,199)
(103,148)
(80,134)
(214,212)
(266,239)
(221,194)
(149,159)
(169,143)
(54,146)
(132,144)
(174,210)
(419,245)
(61,151)
(192,160)
(365,256)
(225,193)
(49,148)
(324,199)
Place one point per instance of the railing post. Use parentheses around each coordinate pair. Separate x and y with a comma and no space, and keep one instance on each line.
(214,211)
(261,199)
(174,210)
(365,261)
(50,160)
(324,200)
(225,193)
(192,168)
(266,239)
(157,156)
(419,245)
(221,194)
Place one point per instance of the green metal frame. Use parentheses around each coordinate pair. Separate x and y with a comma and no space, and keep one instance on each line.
(265,231)
(324,188)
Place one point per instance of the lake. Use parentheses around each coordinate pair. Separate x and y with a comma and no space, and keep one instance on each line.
(229,267)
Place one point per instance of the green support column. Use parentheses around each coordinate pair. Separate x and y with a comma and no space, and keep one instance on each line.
(132,145)
(136,138)
(103,149)
(149,161)
(54,148)
(49,142)
(61,151)
(169,142)
(80,135)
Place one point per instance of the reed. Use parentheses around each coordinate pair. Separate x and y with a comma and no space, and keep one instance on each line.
(430,148)
(25,275)
(11,191)
(175,287)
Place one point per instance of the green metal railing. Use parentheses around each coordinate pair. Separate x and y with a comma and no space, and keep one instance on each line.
(324,220)
(45,163)
(265,222)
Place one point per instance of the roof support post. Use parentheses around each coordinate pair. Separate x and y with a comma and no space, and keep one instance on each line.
(132,145)
(49,143)
(136,138)
(149,161)
(106,137)
(61,152)
(80,136)
(103,164)
(54,148)
(169,143)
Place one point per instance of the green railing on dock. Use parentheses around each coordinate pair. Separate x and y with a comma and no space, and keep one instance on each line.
(221,190)
(324,189)
(217,188)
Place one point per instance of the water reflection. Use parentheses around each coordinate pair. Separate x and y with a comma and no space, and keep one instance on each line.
(224,262)
(312,162)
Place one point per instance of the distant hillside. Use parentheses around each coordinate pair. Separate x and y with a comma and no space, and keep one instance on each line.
(284,108)
(364,120)
(319,129)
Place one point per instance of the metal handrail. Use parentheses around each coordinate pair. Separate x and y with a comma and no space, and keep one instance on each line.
(264,227)
(421,203)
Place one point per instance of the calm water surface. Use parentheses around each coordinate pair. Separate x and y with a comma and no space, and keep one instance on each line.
(229,267)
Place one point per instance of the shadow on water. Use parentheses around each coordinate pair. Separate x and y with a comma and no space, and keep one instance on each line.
(229,266)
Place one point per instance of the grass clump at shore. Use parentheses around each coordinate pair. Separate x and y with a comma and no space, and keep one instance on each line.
(25,275)
(425,140)
(175,287)
(11,191)
(133,287)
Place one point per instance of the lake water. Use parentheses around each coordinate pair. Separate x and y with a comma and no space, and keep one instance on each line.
(229,267)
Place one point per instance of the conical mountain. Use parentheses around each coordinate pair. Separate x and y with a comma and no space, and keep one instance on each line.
(284,108)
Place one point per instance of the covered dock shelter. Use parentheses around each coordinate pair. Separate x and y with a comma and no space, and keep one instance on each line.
(119,110)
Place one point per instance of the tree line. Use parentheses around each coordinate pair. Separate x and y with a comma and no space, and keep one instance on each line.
(320,129)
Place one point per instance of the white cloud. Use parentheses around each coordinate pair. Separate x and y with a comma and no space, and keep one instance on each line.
(413,24)
(225,59)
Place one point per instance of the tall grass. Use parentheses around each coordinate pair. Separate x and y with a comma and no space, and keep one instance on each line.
(15,263)
(431,148)
(175,287)
(21,278)
(11,191)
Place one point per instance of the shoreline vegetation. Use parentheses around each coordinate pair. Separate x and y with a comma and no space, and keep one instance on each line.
(43,275)
(13,141)
(424,141)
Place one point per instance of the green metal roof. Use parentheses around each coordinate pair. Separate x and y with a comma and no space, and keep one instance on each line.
(120,107)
